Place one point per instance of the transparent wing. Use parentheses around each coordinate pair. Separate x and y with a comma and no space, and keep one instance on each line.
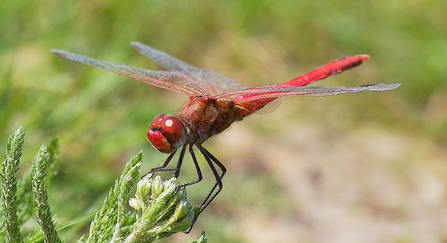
(171,80)
(270,107)
(272,92)
(258,98)
(208,81)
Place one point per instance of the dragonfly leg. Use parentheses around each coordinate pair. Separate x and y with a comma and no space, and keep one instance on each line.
(180,161)
(222,168)
(163,168)
(196,164)
(210,159)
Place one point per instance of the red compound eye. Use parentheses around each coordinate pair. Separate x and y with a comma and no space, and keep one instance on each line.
(156,122)
(167,133)
(173,130)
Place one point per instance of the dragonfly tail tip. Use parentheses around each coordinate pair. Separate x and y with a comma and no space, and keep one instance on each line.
(363,57)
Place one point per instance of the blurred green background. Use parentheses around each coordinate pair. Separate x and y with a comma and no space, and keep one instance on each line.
(366,167)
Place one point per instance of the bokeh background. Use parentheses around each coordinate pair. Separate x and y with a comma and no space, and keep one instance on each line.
(365,167)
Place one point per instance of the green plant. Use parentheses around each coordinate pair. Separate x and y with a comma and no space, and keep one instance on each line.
(161,208)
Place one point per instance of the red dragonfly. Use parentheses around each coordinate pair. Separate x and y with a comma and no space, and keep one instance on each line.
(215,102)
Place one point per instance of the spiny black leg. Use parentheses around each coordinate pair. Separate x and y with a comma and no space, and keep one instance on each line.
(218,178)
(223,169)
(199,172)
(180,161)
(218,163)
(163,168)
(156,169)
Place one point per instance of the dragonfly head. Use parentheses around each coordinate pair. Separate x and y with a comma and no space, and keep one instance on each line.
(167,133)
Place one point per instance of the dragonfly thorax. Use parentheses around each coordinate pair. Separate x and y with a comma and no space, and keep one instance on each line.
(167,133)
(205,117)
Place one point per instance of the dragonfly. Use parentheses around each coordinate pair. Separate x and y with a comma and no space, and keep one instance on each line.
(215,102)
